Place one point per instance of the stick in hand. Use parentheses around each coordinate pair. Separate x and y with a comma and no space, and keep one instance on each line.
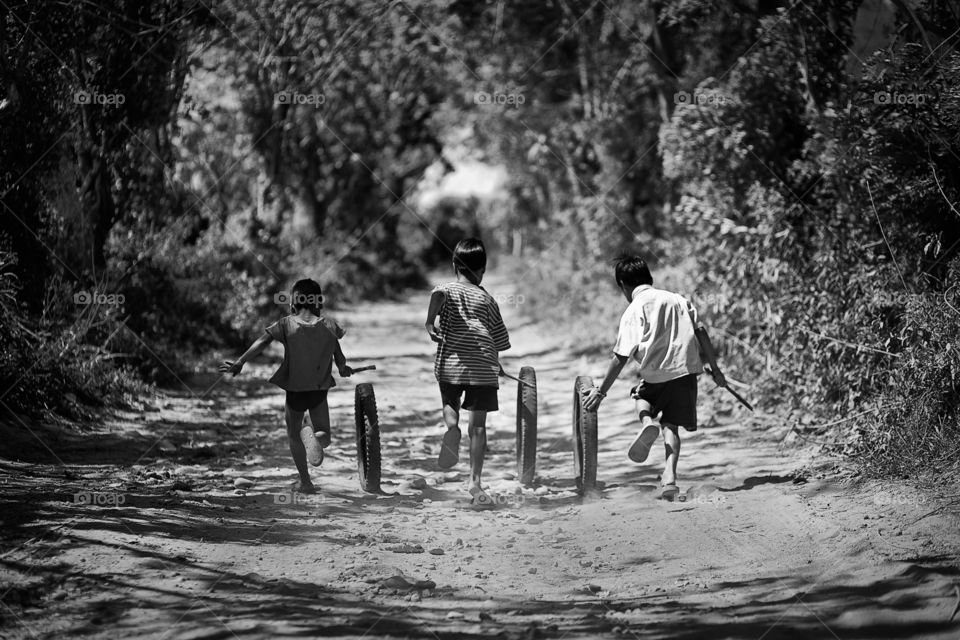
(369,367)
(523,382)
(736,395)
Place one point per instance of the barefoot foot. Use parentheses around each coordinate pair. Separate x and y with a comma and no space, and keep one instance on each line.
(450,449)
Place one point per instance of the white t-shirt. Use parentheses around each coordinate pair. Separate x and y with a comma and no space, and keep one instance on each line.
(658,331)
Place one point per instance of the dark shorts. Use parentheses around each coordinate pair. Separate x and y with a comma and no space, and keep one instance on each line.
(305,400)
(475,398)
(677,399)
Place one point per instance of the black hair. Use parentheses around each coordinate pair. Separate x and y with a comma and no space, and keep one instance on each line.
(306,294)
(470,259)
(632,271)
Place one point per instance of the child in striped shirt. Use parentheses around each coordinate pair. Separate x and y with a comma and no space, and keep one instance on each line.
(470,336)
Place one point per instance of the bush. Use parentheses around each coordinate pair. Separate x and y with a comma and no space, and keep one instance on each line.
(914,427)
(828,257)
(57,367)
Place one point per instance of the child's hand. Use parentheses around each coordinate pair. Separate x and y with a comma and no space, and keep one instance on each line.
(434,334)
(230,366)
(718,377)
(345,371)
(593,399)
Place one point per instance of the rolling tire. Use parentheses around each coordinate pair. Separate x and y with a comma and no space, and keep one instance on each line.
(584,438)
(368,438)
(527,427)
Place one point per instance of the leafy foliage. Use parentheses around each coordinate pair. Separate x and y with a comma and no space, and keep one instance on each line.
(802,193)
(826,244)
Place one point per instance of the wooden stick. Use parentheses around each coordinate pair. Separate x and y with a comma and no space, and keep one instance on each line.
(893,256)
(523,382)
(736,395)
(739,397)
(934,168)
(793,428)
(369,367)
(852,345)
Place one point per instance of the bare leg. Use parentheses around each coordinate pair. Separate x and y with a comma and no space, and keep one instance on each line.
(671,444)
(451,417)
(478,446)
(649,431)
(450,445)
(320,417)
(645,411)
(294,423)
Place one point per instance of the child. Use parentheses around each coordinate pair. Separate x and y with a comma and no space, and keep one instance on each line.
(470,336)
(660,331)
(311,343)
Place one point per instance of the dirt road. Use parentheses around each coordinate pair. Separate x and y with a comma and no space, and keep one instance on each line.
(136,528)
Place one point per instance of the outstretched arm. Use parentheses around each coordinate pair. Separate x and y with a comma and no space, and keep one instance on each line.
(597,394)
(341,361)
(436,302)
(708,353)
(235,366)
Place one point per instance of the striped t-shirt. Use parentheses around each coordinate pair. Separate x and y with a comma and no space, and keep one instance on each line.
(473,333)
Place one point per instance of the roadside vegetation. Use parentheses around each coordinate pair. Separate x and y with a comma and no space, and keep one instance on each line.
(793,167)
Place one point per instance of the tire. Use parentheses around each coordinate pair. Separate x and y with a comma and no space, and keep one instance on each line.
(368,438)
(584,438)
(527,427)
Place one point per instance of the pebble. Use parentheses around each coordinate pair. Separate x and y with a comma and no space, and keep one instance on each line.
(437,552)
(243,483)
(406,548)
(165,446)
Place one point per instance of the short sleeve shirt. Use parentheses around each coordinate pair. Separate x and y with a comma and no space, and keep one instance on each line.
(308,349)
(658,330)
(473,334)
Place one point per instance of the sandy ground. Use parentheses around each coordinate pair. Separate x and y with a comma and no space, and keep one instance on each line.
(770,542)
